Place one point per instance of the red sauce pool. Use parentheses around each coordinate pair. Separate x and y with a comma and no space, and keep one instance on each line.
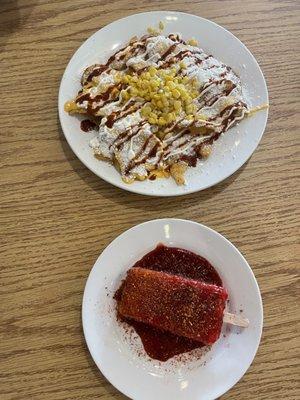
(159,344)
(87,125)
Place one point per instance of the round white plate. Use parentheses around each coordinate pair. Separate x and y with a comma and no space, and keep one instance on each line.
(230,152)
(128,367)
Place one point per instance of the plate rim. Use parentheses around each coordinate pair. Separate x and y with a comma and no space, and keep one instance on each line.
(130,187)
(169,220)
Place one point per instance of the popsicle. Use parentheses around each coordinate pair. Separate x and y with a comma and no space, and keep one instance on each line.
(182,306)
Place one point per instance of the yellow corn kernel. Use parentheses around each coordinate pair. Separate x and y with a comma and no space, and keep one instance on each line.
(147,75)
(182,88)
(160,135)
(190,109)
(182,65)
(185,80)
(183,94)
(161,121)
(151,121)
(147,109)
(134,78)
(154,84)
(155,119)
(152,71)
(160,104)
(133,91)
(161,25)
(192,42)
(168,78)
(171,85)
(153,103)
(152,114)
(186,97)
(169,118)
(190,117)
(177,105)
(176,93)
(70,106)
(165,101)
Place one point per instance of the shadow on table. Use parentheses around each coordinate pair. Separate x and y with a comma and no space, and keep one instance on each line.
(12,16)
(133,200)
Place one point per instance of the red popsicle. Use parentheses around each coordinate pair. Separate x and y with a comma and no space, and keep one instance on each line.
(182,306)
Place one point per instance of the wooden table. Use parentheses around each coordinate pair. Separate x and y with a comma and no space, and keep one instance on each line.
(56,216)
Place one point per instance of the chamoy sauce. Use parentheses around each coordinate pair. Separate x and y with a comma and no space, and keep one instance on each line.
(87,125)
(158,344)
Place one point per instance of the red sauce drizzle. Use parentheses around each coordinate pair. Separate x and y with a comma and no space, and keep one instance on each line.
(159,344)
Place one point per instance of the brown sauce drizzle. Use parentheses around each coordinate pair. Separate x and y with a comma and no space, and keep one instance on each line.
(177,57)
(176,38)
(176,137)
(126,135)
(133,163)
(96,72)
(101,68)
(103,98)
(115,116)
(168,52)
(216,97)
(191,159)
(229,119)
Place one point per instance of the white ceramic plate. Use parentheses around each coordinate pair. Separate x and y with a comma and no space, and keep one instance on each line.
(230,152)
(134,374)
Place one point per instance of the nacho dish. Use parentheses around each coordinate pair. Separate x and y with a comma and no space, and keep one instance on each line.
(157,105)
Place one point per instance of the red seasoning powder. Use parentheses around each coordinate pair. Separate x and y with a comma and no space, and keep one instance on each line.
(161,344)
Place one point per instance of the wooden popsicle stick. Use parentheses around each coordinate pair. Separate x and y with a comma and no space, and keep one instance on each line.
(234,319)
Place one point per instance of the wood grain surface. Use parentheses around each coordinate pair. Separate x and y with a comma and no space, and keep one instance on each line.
(56,216)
